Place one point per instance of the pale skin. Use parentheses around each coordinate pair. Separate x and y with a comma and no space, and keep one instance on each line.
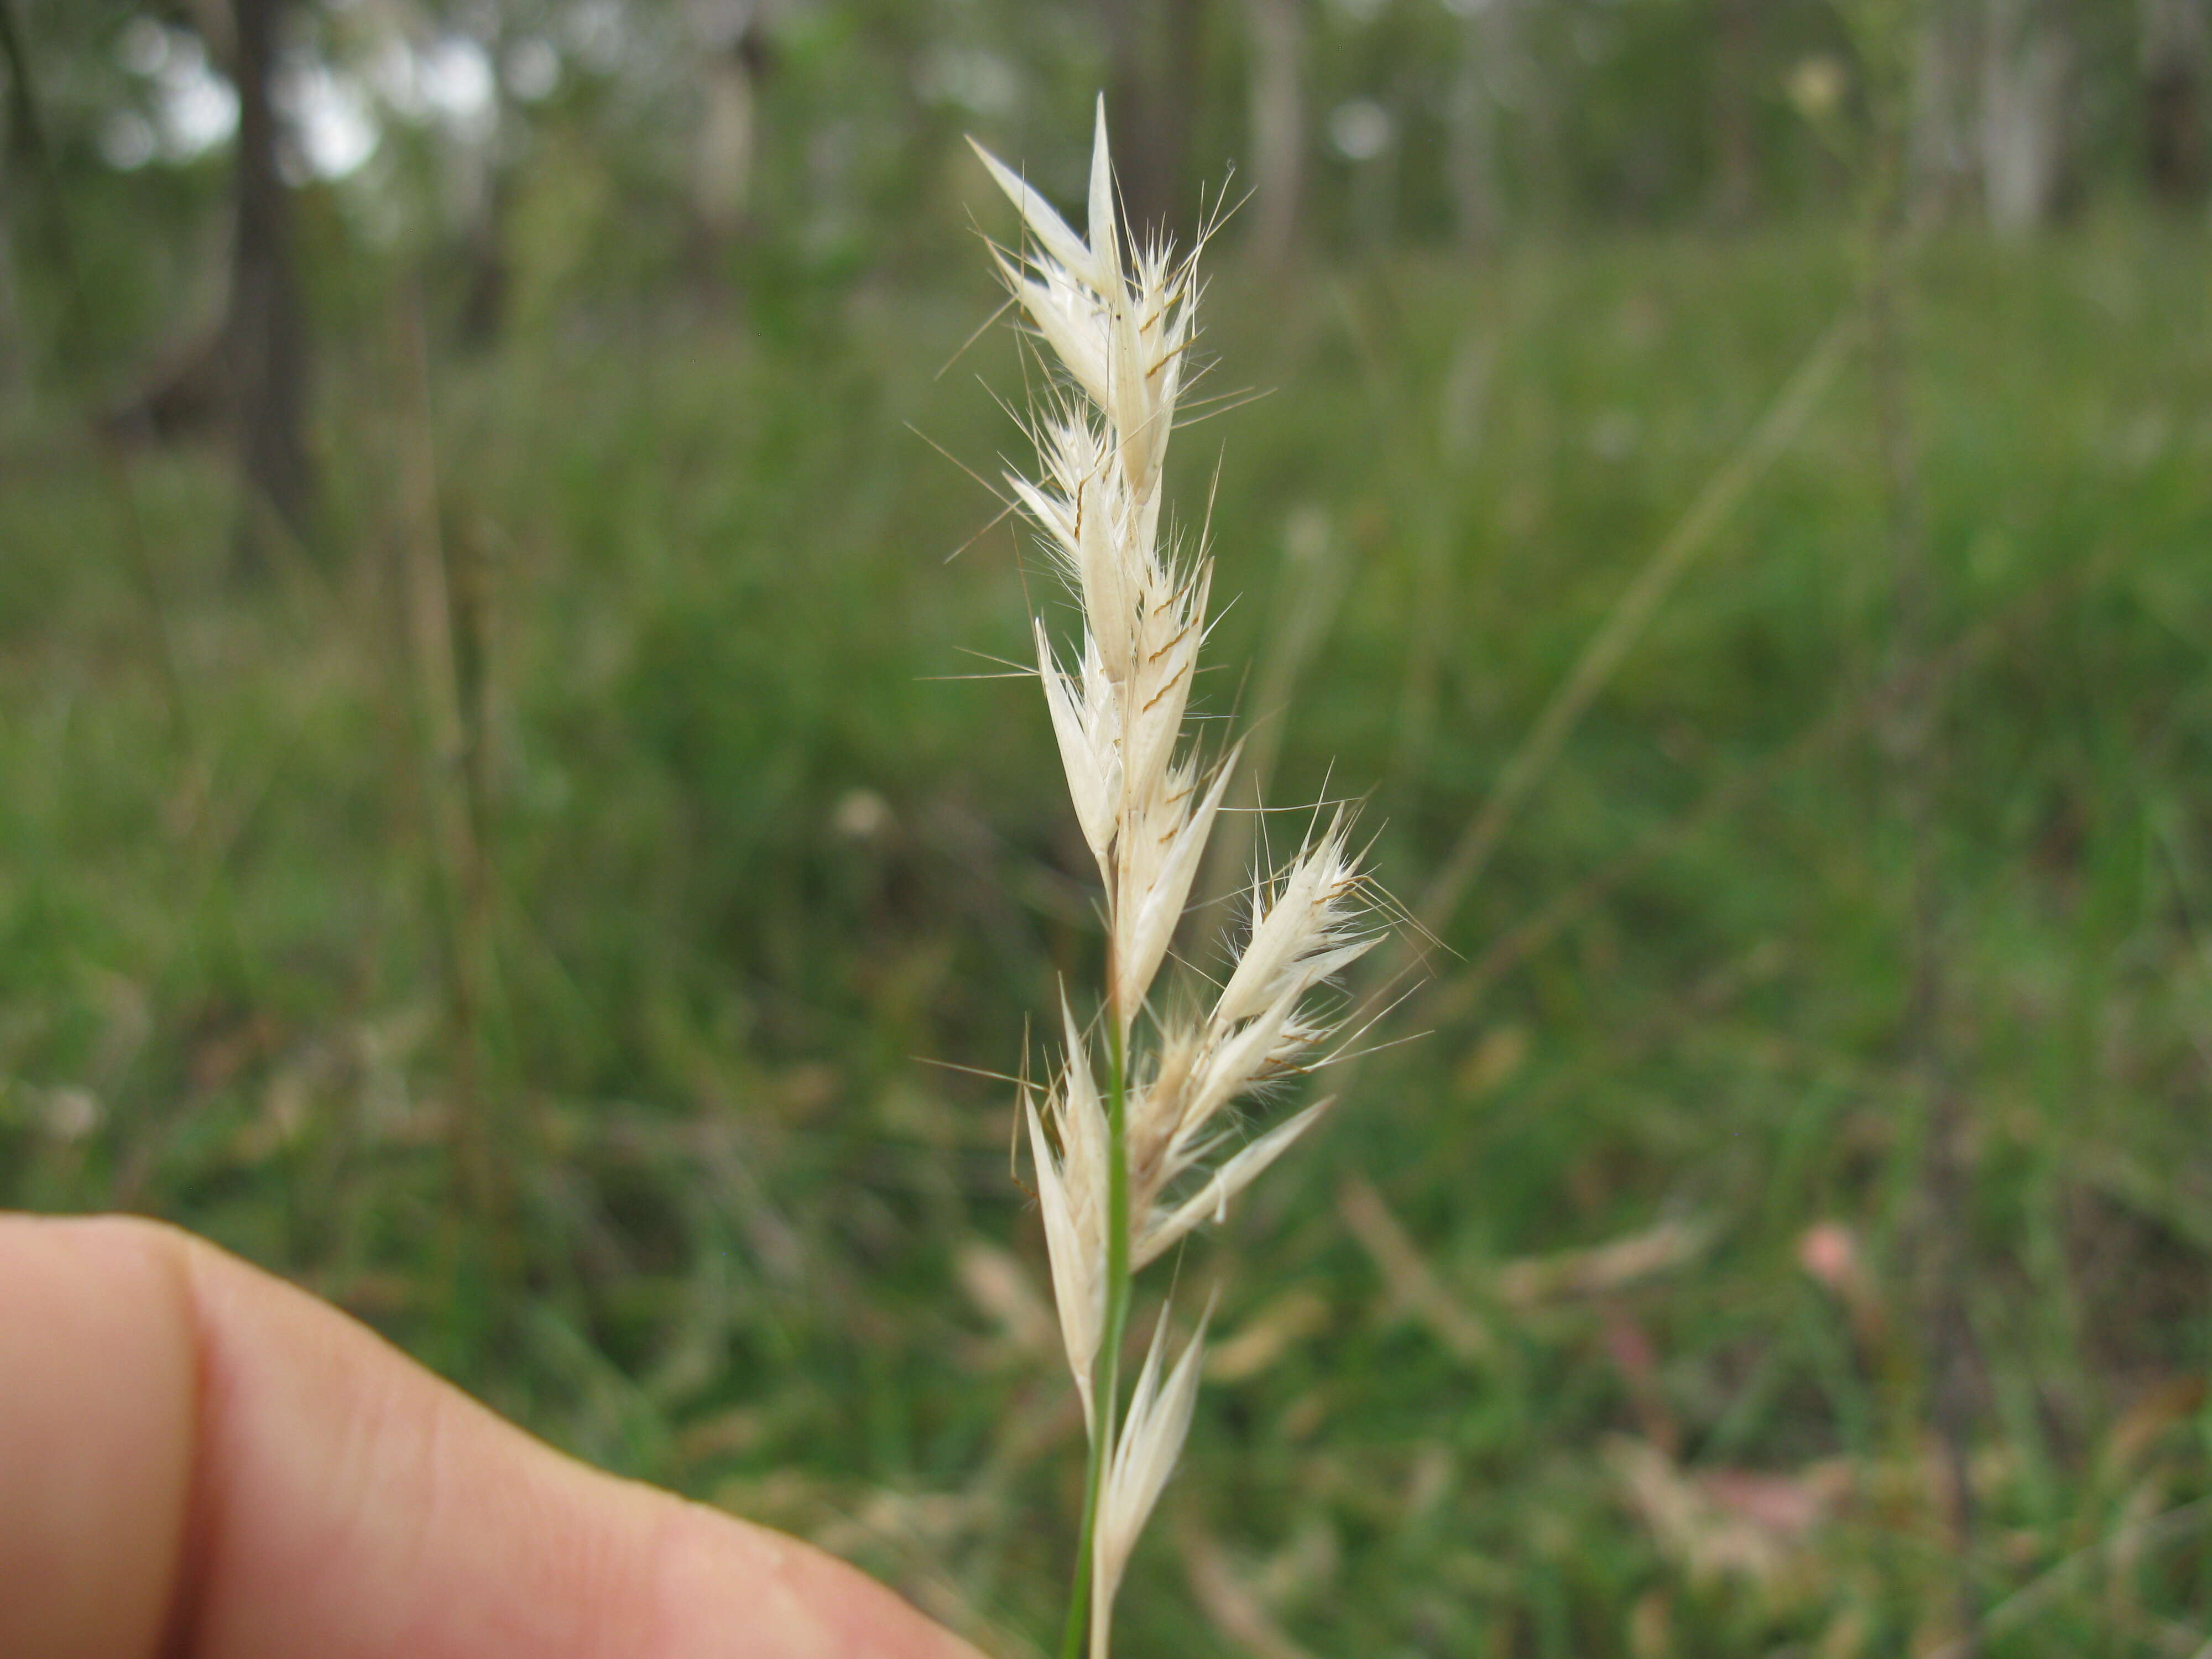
(200,1462)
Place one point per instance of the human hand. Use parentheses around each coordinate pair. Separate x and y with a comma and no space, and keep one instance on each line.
(200,1462)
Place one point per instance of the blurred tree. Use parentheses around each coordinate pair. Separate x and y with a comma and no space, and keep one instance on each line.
(54,66)
(1486,58)
(1942,153)
(733,45)
(2028,62)
(24,151)
(2174,39)
(23,106)
(547,157)
(1157,52)
(1734,100)
(1277,108)
(265,342)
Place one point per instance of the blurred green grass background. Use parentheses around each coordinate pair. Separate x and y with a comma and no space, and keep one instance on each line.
(614,801)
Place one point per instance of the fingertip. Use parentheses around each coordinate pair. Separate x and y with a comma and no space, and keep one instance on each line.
(729,1589)
(99,1381)
(197,1457)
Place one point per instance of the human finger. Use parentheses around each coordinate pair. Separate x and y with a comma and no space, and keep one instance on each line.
(198,1459)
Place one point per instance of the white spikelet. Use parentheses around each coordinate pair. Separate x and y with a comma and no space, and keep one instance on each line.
(1044,223)
(1072,1198)
(1157,871)
(1151,1442)
(1165,662)
(1234,1063)
(1083,722)
(1104,227)
(1163,1228)
(1306,927)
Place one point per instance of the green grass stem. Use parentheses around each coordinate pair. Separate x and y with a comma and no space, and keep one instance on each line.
(1106,1370)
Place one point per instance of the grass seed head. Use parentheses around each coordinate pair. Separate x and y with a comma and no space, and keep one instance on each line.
(1119,330)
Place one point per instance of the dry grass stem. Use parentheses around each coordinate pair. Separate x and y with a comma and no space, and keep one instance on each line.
(1625,624)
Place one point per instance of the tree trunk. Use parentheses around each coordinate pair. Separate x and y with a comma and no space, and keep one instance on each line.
(265,339)
(1942,154)
(1485,40)
(731,53)
(1278,117)
(2174,42)
(722,165)
(2026,62)
(1155,45)
(13,359)
(1735,106)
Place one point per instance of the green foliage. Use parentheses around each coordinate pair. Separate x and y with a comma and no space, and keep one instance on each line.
(752,864)
(576,186)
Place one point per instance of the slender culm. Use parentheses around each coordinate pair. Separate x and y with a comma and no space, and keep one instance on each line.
(1133,1138)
